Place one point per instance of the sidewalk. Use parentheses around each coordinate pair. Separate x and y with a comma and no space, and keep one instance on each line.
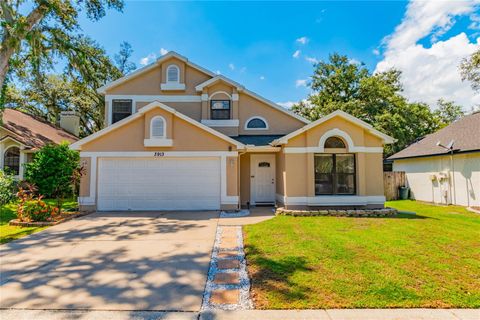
(331,314)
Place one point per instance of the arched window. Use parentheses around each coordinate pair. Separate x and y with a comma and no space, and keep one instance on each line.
(334,142)
(11,160)
(173,73)
(256,123)
(157,128)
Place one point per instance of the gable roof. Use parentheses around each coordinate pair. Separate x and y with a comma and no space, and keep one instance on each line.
(338,113)
(155,104)
(465,133)
(32,132)
(215,78)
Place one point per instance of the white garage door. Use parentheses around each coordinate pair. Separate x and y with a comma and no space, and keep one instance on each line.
(159,184)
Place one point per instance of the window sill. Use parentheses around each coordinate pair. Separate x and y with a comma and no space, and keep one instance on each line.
(221,123)
(172,86)
(158,142)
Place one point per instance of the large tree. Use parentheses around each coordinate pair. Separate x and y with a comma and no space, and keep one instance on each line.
(49,29)
(470,70)
(340,84)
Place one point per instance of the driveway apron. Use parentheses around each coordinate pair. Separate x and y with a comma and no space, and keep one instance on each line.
(111,261)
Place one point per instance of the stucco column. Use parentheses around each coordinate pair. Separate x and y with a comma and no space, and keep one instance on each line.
(361,174)
(22,163)
(205,113)
(1,155)
(310,175)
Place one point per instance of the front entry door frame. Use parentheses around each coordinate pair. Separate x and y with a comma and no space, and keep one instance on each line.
(262,194)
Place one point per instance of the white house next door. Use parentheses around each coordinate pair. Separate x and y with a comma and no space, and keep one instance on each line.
(262,177)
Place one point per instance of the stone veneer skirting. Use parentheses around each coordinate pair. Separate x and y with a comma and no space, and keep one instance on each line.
(386,212)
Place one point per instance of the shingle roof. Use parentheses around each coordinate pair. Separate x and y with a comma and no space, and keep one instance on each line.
(34,133)
(465,132)
(257,140)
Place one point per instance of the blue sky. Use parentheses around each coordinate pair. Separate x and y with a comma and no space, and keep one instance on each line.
(254,42)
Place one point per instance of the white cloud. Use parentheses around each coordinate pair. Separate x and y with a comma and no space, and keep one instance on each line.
(148,59)
(303,40)
(163,51)
(218,72)
(376,52)
(231,66)
(431,73)
(262,77)
(301,83)
(296,54)
(354,61)
(311,59)
(287,104)
(243,69)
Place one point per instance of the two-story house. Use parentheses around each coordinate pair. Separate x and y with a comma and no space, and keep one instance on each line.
(179,137)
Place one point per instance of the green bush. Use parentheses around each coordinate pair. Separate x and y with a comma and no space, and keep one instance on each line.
(7,188)
(31,208)
(54,171)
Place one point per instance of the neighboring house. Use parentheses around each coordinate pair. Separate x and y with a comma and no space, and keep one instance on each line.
(179,137)
(435,174)
(21,135)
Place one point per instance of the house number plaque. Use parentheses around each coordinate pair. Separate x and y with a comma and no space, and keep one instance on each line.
(158,154)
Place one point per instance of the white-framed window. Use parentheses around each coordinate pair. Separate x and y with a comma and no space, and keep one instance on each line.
(173,74)
(11,160)
(121,108)
(158,128)
(256,123)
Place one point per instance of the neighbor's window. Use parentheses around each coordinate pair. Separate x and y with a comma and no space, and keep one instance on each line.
(173,74)
(121,109)
(256,123)
(157,127)
(334,142)
(220,109)
(11,160)
(335,173)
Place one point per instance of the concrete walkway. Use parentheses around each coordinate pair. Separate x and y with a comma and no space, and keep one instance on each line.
(333,314)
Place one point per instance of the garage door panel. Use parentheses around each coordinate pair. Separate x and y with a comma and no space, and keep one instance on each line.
(159,184)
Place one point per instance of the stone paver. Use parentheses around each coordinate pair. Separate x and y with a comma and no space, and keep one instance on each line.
(228,264)
(233,254)
(228,243)
(226,278)
(111,261)
(221,296)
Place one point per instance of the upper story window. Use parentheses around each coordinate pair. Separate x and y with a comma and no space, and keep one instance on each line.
(121,109)
(256,123)
(157,128)
(11,160)
(220,109)
(334,142)
(173,74)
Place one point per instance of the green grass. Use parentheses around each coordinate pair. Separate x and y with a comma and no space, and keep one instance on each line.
(431,259)
(7,213)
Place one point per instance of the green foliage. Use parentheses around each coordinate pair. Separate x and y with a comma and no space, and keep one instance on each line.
(7,188)
(341,84)
(53,170)
(470,70)
(31,208)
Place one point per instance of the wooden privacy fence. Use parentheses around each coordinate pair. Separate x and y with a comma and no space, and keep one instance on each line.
(391,182)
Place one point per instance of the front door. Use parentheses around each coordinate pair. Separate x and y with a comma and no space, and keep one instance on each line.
(262,173)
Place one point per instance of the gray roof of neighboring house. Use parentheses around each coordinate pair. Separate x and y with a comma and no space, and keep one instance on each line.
(257,140)
(465,132)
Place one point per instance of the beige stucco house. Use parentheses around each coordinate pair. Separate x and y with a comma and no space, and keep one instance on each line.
(179,137)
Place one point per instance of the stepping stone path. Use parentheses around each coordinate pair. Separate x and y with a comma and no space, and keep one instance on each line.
(228,286)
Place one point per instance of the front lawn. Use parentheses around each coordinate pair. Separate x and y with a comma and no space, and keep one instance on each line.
(7,213)
(430,260)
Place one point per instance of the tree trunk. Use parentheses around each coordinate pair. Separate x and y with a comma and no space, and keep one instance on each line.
(11,43)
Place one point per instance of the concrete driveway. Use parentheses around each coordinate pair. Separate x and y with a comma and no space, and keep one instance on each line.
(111,261)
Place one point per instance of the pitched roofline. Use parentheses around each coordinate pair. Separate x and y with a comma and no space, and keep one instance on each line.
(155,104)
(9,137)
(219,78)
(446,153)
(386,138)
(136,73)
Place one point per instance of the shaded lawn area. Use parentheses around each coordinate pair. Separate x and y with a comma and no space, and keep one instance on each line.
(7,213)
(428,260)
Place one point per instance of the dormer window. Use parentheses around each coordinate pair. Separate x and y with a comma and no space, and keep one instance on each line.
(157,128)
(173,74)
(220,109)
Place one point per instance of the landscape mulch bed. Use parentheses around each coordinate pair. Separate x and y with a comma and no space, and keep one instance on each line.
(65,216)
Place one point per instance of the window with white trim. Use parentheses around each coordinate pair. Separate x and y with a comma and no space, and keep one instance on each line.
(256,123)
(157,128)
(173,74)
(220,109)
(11,160)
(121,108)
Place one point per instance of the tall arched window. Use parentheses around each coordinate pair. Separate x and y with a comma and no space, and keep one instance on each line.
(173,74)
(11,160)
(158,128)
(334,142)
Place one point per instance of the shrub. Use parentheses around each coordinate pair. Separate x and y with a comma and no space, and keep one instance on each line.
(7,188)
(54,171)
(31,208)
